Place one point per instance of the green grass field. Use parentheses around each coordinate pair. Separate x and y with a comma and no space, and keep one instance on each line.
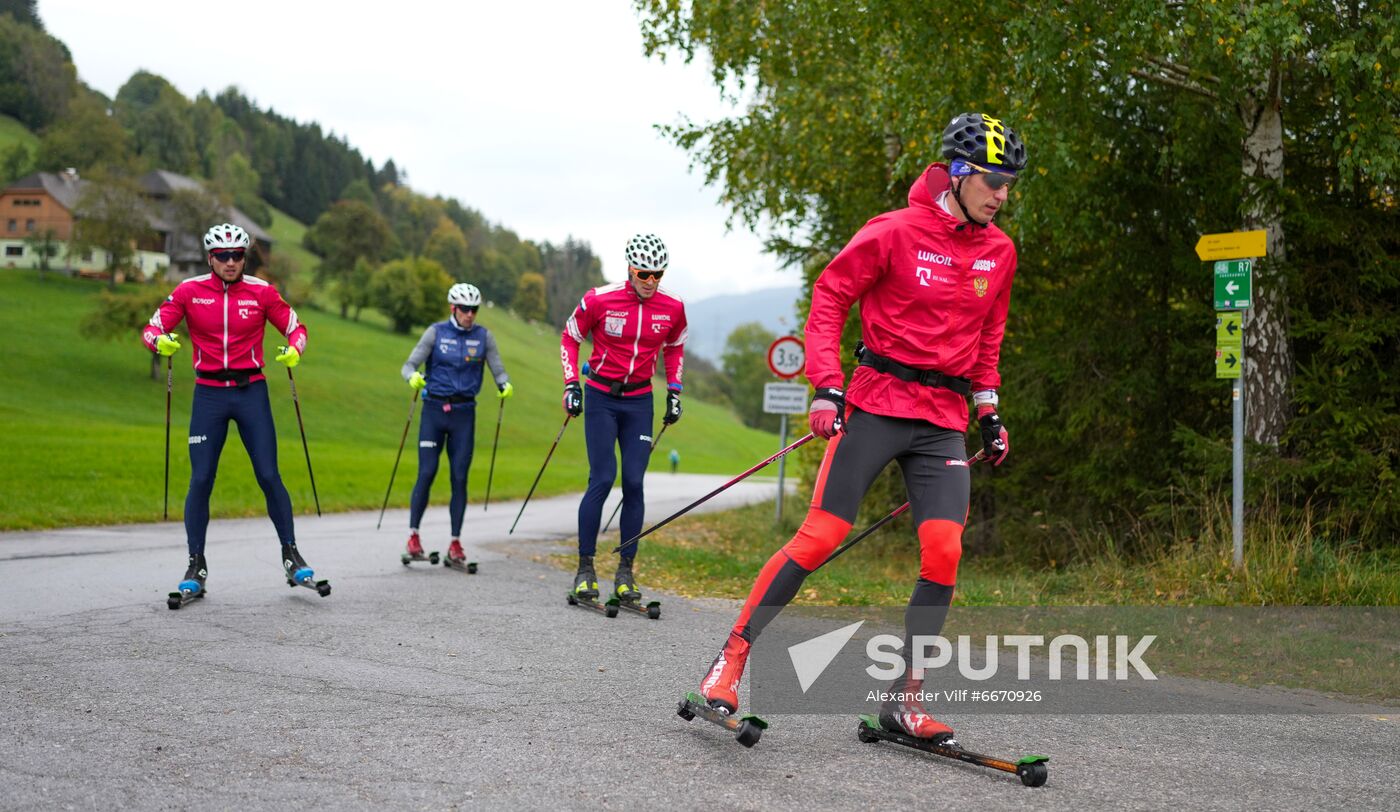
(13,132)
(83,422)
(287,233)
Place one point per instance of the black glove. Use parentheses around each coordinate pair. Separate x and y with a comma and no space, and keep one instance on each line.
(673,407)
(827,414)
(573,399)
(996,444)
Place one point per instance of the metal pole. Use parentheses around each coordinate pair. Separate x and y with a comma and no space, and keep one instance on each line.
(782,464)
(1237,506)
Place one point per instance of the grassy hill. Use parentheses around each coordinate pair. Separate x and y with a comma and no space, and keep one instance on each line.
(13,132)
(83,423)
(287,233)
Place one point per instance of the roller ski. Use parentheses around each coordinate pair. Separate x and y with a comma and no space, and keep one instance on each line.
(747,728)
(585,592)
(299,573)
(456,559)
(192,587)
(718,698)
(909,724)
(415,552)
(628,596)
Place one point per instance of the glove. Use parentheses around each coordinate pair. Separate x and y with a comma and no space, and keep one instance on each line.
(573,399)
(827,415)
(290,356)
(417,381)
(673,407)
(996,444)
(167,343)
(506,391)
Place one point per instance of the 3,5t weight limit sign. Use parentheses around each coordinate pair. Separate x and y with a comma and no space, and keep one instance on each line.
(787,357)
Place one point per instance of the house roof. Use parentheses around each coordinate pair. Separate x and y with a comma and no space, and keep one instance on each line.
(64,188)
(157,184)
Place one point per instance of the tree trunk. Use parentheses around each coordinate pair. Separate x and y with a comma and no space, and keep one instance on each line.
(1269,371)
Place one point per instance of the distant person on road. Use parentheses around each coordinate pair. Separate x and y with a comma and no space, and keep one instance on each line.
(675,460)
(454,353)
(933,281)
(227,313)
(629,323)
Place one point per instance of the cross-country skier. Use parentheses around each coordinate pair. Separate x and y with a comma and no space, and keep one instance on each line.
(629,323)
(226,313)
(454,352)
(933,281)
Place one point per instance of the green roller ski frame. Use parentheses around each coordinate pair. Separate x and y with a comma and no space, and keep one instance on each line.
(1030,769)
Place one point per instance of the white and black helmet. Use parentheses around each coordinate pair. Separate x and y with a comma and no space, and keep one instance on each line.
(464,295)
(225,236)
(646,252)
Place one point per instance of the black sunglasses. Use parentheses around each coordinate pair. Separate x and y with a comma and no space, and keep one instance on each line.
(647,276)
(468,308)
(994,180)
(226,256)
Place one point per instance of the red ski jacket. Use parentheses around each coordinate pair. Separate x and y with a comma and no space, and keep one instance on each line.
(226,323)
(627,333)
(933,294)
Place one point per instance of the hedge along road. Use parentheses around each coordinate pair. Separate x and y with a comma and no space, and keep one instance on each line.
(424,687)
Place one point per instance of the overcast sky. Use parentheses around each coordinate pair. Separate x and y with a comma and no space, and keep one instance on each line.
(539,114)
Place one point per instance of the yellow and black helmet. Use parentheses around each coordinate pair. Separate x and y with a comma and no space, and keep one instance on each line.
(985,141)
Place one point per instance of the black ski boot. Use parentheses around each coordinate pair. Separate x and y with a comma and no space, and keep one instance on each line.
(624,584)
(298,571)
(586,580)
(195,575)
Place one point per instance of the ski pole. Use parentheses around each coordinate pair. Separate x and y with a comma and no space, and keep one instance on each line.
(169,385)
(305,449)
(891,516)
(492,472)
(712,494)
(557,437)
(397,457)
(654,441)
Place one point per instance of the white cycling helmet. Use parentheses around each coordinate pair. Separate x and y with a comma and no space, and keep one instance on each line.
(224,236)
(464,295)
(646,252)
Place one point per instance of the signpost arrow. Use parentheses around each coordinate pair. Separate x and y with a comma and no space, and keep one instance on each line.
(1231,287)
(1232,245)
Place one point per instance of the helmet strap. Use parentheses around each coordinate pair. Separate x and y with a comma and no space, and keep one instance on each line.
(967,216)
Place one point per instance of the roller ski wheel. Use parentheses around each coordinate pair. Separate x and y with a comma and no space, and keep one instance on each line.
(608,609)
(651,611)
(431,558)
(747,728)
(178,599)
(1032,770)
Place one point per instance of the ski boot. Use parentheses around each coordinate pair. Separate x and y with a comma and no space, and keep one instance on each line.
(299,573)
(192,588)
(586,580)
(720,688)
(457,558)
(628,596)
(414,552)
(585,591)
(903,713)
(624,583)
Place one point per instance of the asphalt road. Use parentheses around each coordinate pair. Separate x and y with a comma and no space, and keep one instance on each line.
(426,688)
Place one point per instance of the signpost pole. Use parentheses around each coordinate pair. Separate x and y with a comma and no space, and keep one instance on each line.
(1234,254)
(782,463)
(1237,463)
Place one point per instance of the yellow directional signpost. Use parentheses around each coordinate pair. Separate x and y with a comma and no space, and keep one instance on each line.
(1232,245)
(1232,254)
